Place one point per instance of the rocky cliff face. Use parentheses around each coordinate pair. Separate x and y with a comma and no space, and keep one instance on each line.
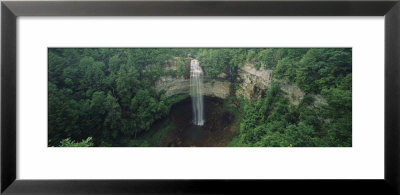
(173,85)
(294,93)
(251,83)
(180,85)
(216,88)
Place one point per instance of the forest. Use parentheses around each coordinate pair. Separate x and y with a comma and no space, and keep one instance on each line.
(107,97)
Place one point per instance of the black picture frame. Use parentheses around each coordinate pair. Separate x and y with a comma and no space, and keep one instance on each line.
(10,10)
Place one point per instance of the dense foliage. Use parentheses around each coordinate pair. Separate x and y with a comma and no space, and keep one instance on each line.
(273,121)
(104,93)
(70,143)
(108,95)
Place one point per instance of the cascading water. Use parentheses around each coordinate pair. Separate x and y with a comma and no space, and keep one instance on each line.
(196,85)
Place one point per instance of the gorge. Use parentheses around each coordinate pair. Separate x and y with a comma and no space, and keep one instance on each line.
(211,124)
(262,97)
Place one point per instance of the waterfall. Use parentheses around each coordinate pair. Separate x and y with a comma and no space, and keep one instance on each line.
(196,85)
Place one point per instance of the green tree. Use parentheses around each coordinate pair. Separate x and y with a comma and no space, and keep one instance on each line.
(70,143)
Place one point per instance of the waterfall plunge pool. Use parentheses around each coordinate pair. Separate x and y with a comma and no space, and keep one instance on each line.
(218,129)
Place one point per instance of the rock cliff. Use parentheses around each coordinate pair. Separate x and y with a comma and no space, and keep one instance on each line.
(250,83)
(180,85)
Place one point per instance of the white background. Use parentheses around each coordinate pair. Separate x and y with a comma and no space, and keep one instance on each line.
(364,160)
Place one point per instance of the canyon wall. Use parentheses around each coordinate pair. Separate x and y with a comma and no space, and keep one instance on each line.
(180,85)
(250,83)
